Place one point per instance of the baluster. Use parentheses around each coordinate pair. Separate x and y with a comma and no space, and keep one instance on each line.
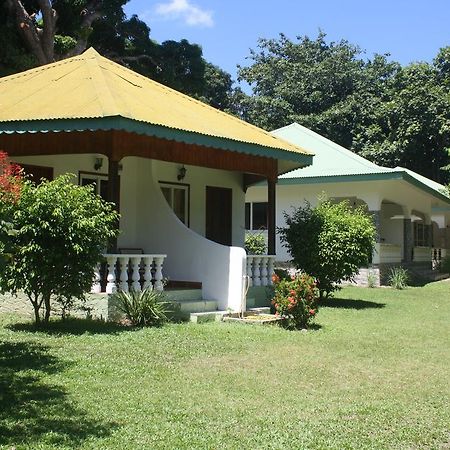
(270,270)
(264,262)
(249,270)
(96,286)
(123,273)
(257,271)
(158,274)
(111,287)
(148,261)
(135,263)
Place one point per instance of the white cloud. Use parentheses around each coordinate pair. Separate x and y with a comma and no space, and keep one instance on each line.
(185,10)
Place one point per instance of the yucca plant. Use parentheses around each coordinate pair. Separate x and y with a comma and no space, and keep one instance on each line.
(144,308)
(398,278)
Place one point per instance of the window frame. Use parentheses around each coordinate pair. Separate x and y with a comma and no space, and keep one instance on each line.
(251,217)
(187,188)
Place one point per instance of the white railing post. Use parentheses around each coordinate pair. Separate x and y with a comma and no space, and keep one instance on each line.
(96,286)
(148,261)
(250,270)
(123,273)
(264,263)
(111,287)
(135,275)
(159,286)
(257,271)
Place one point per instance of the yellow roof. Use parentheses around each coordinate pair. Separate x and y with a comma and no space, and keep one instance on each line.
(90,86)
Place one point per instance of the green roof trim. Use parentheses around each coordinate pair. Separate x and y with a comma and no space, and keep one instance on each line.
(133,126)
(394,175)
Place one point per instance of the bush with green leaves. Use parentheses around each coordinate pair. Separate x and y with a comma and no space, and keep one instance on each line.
(61,231)
(295,300)
(398,278)
(144,308)
(444,267)
(255,244)
(330,242)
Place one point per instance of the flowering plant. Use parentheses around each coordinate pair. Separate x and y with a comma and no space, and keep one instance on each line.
(296,299)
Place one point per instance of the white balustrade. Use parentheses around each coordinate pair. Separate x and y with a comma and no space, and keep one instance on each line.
(131,272)
(260,269)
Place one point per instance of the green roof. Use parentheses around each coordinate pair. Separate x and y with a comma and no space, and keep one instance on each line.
(334,163)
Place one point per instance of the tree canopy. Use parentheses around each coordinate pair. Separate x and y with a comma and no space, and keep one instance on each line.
(391,114)
(36,32)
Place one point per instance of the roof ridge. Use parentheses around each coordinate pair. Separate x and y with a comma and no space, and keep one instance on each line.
(333,145)
(203,104)
(104,94)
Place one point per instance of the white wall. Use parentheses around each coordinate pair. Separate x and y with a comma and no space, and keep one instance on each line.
(371,192)
(149,223)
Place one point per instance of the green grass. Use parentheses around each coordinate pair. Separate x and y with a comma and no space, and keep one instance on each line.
(373,375)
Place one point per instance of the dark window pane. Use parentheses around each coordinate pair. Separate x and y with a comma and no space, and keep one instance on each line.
(247,216)
(167,195)
(104,189)
(179,204)
(260,216)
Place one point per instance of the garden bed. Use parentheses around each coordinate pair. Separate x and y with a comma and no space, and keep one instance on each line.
(253,318)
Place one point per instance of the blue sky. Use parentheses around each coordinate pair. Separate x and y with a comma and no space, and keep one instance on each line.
(410,30)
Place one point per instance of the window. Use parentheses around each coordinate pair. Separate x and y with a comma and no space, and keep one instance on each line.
(177,196)
(256,216)
(421,235)
(99,181)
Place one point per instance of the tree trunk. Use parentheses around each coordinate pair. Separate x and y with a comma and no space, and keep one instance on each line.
(47,308)
(37,317)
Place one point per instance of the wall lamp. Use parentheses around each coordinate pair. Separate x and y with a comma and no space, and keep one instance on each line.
(181,173)
(98,164)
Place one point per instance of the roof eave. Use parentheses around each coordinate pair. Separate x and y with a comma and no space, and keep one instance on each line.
(294,159)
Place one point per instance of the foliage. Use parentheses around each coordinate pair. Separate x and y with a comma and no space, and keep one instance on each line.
(76,25)
(445,265)
(98,385)
(255,244)
(11,183)
(371,279)
(398,278)
(330,242)
(393,115)
(144,308)
(61,232)
(296,300)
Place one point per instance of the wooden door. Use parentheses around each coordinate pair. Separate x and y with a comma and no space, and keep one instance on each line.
(218,214)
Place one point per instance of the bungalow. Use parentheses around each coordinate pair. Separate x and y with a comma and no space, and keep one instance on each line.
(176,168)
(411,214)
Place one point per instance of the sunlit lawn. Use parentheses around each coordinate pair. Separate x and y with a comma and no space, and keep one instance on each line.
(375,375)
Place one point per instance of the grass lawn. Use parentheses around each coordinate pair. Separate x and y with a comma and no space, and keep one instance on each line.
(375,374)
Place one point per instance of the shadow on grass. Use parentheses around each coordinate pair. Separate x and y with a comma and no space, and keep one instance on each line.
(72,326)
(33,411)
(348,303)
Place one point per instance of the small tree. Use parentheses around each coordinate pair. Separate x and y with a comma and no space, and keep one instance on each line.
(11,183)
(330,242)
(61,231)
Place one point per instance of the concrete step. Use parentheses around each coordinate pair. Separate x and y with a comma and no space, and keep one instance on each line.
(261,310)
(183,295)
(196,306)
(207,316)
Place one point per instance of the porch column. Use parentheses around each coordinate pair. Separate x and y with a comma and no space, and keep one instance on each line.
(113,195)
(376,219)
(407,240)
(271,213)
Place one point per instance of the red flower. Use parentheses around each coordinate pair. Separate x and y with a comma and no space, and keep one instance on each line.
(275,278)
(312,312)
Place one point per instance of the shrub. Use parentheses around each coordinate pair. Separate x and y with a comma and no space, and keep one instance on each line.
(371,279)
(445,265)
(398,278)
(330,242)
(61,230)
(255,244)
(144,308)
(296,300)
